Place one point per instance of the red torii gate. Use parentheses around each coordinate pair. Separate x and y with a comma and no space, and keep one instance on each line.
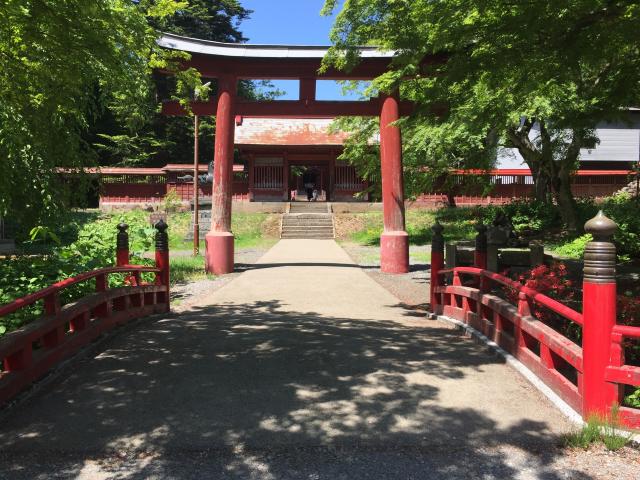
(229,63)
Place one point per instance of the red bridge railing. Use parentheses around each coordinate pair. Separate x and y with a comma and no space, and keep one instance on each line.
(589,377)
(29,352)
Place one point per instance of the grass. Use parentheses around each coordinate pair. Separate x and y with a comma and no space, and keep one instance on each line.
(598,429)
(418,225)
(248,229)
(186,269)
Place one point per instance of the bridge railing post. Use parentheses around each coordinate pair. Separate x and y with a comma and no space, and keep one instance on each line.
(122,245)
(480,253)
(437,263)
(599,317)
(122,253)
(162,258)
(480,257)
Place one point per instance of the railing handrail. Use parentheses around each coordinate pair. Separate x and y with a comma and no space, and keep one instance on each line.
(627,331)
(534,295)
(68,282)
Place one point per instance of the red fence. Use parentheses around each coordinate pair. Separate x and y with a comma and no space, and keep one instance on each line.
(590,377)
(511,184)
(28,353)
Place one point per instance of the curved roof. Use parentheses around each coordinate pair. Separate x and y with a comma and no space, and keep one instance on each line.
(246,50)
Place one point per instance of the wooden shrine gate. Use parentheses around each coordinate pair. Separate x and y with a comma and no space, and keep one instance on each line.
(229,63)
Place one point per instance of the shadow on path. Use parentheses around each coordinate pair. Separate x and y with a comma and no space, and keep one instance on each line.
(256,391)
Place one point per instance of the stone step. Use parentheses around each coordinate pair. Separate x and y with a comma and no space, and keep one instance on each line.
(310,223)
(308,230)
(309,210)
(303,236)
(307,220)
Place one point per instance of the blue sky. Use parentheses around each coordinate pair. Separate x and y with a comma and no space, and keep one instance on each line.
(291,22)
(286,21)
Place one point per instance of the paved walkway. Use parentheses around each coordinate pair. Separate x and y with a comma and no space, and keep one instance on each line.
(301,367)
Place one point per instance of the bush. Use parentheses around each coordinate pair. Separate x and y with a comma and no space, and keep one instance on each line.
(623,209)
(531,216)
(574,248)
(94,247)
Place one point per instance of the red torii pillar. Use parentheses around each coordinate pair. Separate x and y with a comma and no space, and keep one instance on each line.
(219,240)
(394,242)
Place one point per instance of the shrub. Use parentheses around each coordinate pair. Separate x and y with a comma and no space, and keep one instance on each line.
(94,247)
(531,216)
(623,209)
(552,281)
(574,248)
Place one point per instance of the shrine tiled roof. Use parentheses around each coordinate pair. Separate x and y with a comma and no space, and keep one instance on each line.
(286,132)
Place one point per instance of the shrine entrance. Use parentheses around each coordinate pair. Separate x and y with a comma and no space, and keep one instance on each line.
(314,177)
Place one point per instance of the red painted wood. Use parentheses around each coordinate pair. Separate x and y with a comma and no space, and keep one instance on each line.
(437,263)
(21,367)
(394,242)
(122,257)
(56,287)
(219,241)
(162,278)
(529,332)
(630,417)
(599,311)
(626,374)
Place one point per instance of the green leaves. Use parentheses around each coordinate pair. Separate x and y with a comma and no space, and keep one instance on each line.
(536,76)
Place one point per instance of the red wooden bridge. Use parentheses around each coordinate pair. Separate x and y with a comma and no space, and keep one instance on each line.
(590,376)
(265,368)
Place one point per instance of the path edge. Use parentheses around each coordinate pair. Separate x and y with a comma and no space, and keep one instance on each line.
(573,416)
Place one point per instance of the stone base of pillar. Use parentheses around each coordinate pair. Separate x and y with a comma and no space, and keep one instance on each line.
(219,253)
(394,252)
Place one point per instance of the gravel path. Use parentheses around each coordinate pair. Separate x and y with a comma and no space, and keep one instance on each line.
(188,294)
(412,288)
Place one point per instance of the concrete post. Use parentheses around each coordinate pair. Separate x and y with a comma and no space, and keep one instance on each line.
(451,256)
(599,317)
(536,254)
(394,242)
(219,241)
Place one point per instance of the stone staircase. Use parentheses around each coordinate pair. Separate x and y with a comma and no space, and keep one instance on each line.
(308,220)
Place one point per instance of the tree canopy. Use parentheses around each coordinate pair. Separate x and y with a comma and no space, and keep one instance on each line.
(78,74)
(54,55)
(537,76)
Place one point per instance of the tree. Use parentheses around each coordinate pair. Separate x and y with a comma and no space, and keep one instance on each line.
(54,54)
(216,20)
(537,76)
(152,139)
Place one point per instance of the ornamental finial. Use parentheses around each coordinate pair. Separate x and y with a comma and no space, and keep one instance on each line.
(601,227)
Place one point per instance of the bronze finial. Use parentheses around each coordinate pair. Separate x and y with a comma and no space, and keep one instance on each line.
(162,238)
(122,239)
(600,254)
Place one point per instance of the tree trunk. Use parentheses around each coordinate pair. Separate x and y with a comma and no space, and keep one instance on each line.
(540,183)
(451,199)
(567,203)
